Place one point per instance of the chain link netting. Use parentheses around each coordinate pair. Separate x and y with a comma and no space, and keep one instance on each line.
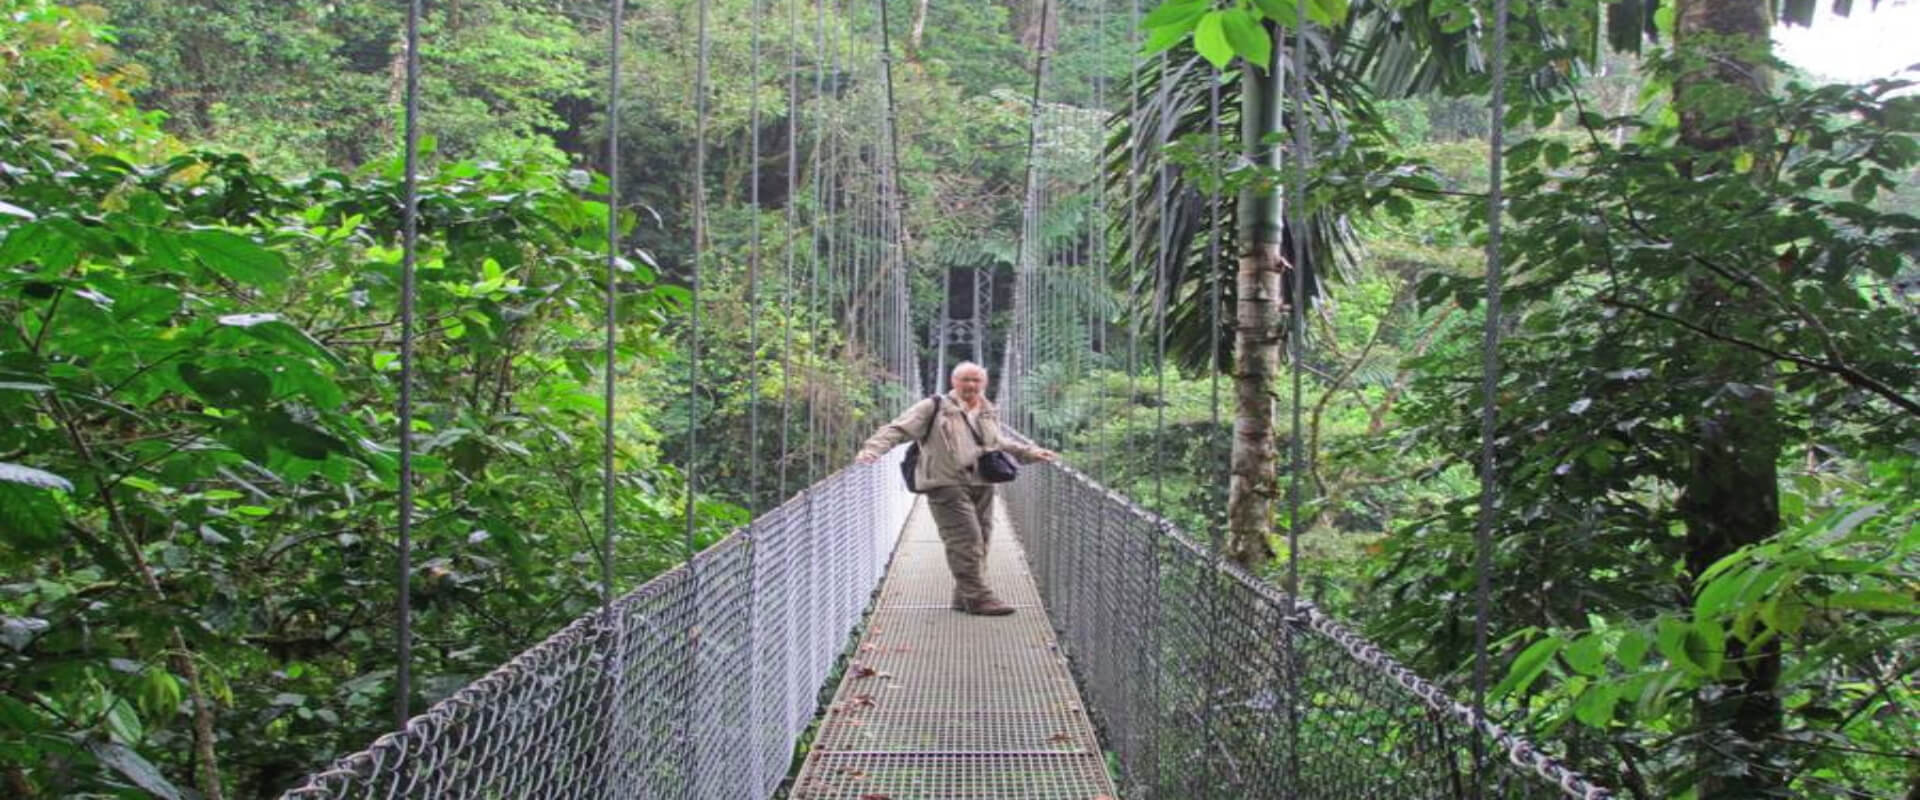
(695,685)
(1205,688)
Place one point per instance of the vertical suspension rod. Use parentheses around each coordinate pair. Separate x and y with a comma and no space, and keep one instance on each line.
(1023,260)
(410,215)
(1489,387)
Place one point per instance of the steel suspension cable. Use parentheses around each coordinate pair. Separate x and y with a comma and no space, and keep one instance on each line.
(1489,387)
(614,676)
(700,252)
(753,279)
(1015,367)
(410,242)
(1216,550)
(1296,346)
(792,239)
(1135,144)
(823,138)
(756,707)
(1162,262)
(611,320)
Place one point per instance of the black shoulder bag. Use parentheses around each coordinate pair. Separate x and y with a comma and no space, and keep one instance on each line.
(908,464)
(994,466)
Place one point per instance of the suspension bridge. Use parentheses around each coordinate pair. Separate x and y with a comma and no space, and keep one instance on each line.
(812,653)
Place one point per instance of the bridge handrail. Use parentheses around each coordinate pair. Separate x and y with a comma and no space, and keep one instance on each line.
(1061,512)
(718,661)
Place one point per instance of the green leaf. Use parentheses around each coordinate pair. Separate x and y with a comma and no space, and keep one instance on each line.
(1587,655)
(1210,39)
(1282,12)
(24,244)
(236,257)
(1631,651)
(299,438)
(228,387)
(1673,634)
(1595,706)
(17,716)
(1707,645)
(1874,600)
(36,478)
(1178,14)
(31,518)
(1328,13)
(1248,37)
(1526,667)
(123,760)
(274,329)
(1163,39)
(1718,593)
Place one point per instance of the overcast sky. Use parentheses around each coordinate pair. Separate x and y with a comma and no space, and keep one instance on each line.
(1872,43)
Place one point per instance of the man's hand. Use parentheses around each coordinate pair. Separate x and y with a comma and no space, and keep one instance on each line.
(1046,455)
(866,458)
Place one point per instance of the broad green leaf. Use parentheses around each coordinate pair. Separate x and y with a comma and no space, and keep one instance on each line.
(1718,593)
(1283,12)
(237,257)
(228,387)
(299,438)
(30,517)
(1175,14)
(29,476)
(1163,39)
(1210,39)
(1673,634)
(140,772)
(1595,706)
(17,716)
(1707,645)
(1248,37)
(1631,651)
(1526,667)
(275,329)
(1875,600)
(24,243)
(1328,13)
(1587,655)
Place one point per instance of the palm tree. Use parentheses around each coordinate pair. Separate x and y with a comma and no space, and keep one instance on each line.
(1729,499)
(1164,260)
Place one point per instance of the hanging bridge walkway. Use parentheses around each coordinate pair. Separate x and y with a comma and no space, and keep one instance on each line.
(1139,664)
(705,683)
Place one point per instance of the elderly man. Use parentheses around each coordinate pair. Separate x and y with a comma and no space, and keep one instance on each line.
(963,425)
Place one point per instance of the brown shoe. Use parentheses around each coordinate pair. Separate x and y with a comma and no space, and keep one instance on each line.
(990,608)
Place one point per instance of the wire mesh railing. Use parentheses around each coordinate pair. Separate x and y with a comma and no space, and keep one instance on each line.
(695,685)
(1205,687)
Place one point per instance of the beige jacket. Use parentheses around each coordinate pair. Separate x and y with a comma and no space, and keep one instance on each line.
(947,457)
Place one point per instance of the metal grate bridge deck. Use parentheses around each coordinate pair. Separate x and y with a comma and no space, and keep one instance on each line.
(939,704)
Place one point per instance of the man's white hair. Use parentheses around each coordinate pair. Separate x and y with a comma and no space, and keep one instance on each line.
(963,367)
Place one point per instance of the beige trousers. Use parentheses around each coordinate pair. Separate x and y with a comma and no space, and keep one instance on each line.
(964,515)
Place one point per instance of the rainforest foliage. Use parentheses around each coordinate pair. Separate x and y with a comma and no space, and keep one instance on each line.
(199,261)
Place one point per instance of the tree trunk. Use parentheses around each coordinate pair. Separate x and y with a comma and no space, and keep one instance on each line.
(1257,330)
(1731,497)
(919,32)
(1034,23)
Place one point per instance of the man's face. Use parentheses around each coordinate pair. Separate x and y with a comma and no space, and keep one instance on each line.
(969,384)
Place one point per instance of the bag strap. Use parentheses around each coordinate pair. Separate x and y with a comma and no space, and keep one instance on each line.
(931,418)
(973,430)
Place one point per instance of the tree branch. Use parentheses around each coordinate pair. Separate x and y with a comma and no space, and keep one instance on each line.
(1845,373)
